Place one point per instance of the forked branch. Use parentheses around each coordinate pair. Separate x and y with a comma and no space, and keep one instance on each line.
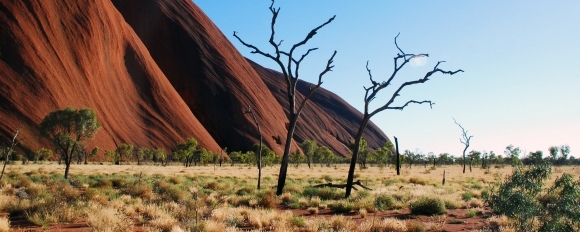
(465,138)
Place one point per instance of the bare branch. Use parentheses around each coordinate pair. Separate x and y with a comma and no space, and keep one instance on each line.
(419,81)
(328,68)
(256,49)
(465,138)
(397,45)
(308,37)
(409,102)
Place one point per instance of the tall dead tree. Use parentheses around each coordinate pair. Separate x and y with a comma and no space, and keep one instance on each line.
(376,87)
(9,151)
(465,140)
(289,67)
(259,155)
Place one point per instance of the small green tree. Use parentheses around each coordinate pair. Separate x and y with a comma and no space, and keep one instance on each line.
(68,129)
(93,153)
(186,151)
(554,153)
(296,158)
(143,154)
(111,156)
(158,156)
(309,147)
(124,152)
(564,152)
(381,155)
(42,154)
(364,152)
(514,155)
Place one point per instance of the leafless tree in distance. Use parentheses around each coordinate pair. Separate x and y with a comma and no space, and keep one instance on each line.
(9,151)
(376,87)
(465,140)
(289,66)
(259,155)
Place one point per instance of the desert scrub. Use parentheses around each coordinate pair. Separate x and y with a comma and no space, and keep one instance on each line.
(342,206)
(269,200)
(418,180)
(517,198)
(4,224)
(427,206)
(466,196)
(324,193)
(341,223)
(315,201)
(107,219)
(383,201)
(415,226)
(171,192)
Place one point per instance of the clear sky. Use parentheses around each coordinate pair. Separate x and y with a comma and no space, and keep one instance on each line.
(521,83)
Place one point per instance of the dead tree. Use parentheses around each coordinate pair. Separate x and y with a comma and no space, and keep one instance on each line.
(259,155)
(9,151)
(465,140)
(289,65)
(376,87)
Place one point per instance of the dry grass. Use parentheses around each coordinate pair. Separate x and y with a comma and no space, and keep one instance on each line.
(108,219)
(454,173)
(4,224)
(170,198)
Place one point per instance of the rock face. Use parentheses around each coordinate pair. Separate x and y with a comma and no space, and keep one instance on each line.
(155,71)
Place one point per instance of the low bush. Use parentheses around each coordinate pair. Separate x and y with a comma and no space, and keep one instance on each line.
(4,224)
(427,206)
(418,180)
(342,206)
(324,193)
(384,201)
(269,200)
(518,197)
(466,196)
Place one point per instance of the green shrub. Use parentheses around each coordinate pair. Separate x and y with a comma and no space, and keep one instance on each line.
(523,198)
(298,221)
(342,206)
(246,190)
(324,193)
(466,196)
(427,206)
(384,201)
(119,182)
(471,213)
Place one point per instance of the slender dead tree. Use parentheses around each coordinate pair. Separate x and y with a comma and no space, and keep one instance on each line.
(9,151)
(465,140)
(289,65)
(259,155)
(400,61)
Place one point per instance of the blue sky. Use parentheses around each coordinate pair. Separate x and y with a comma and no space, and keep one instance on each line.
(521,84)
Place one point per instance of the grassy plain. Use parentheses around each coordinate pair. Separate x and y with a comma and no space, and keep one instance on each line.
(212,198)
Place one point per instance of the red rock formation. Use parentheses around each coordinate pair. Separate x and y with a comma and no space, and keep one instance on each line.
(155,71)
(55,54)
(212,77)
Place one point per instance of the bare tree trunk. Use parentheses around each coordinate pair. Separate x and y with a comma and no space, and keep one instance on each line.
(285,157)
(356,150)
(398,157)
(259,155)
(14,143)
